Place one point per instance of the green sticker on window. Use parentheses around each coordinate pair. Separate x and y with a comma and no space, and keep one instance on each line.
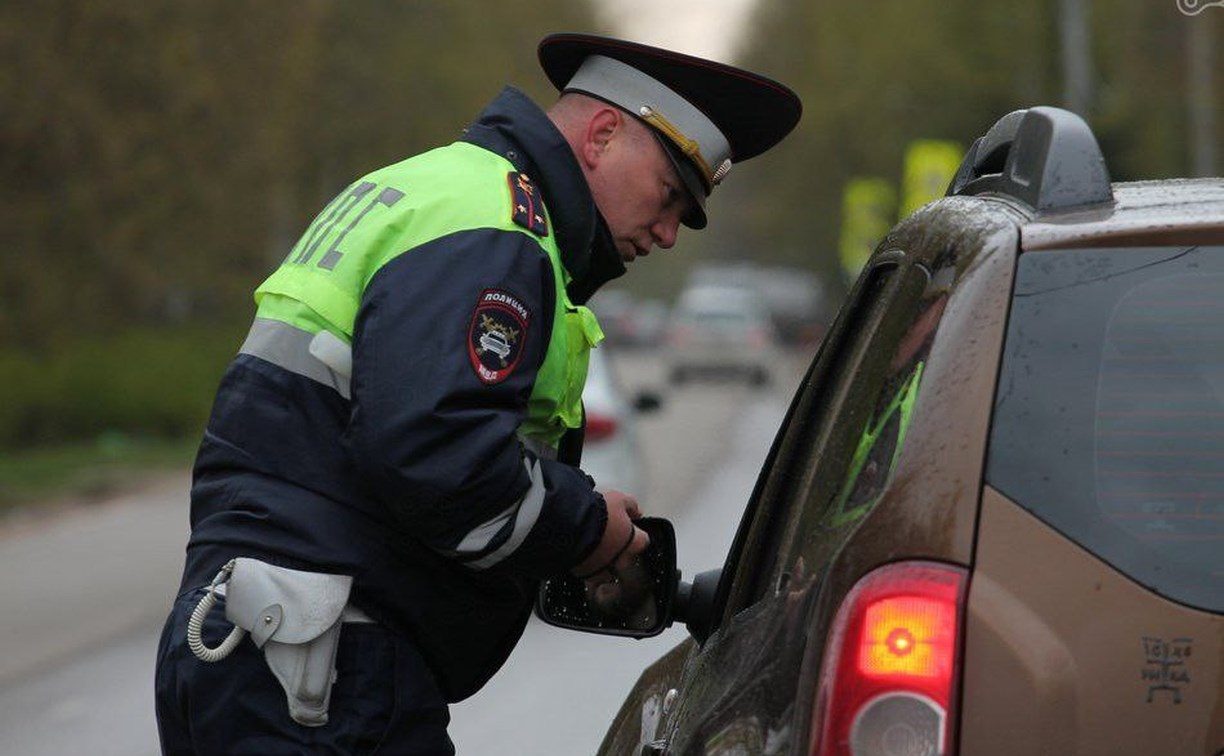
(875,458)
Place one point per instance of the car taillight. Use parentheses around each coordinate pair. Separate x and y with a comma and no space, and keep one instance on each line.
(599,427)
(889,676)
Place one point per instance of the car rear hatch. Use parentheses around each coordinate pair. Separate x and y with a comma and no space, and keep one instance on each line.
(1094,621)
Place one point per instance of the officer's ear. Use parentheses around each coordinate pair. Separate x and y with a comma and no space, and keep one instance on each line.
(602,129)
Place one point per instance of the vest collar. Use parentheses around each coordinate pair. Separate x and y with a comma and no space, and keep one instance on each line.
(516,128)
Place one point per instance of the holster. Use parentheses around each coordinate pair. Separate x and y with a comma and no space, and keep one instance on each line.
(295,617)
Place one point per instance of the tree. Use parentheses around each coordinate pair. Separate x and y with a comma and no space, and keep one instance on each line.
(158,157)
(875,76)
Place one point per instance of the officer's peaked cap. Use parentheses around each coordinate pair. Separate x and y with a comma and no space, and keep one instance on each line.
(707,115)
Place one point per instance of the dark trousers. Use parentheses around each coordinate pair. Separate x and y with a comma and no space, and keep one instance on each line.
(384,699)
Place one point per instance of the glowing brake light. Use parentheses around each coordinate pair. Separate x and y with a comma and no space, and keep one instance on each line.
(890,670)
(908,637)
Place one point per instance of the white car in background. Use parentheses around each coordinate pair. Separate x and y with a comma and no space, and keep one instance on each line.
(721,330)
(611,453)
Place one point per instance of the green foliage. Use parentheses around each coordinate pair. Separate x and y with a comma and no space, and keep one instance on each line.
(875,76)
(85,470)
(157,157)
(141,383)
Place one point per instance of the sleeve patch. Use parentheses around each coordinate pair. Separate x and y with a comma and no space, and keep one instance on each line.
(525,207)
(496,335)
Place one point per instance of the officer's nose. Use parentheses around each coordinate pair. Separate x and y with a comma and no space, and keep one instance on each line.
(665,230)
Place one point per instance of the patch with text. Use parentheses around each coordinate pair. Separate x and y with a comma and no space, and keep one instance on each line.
(496,335)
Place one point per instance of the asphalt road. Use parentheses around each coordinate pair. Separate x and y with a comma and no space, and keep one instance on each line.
(83,593)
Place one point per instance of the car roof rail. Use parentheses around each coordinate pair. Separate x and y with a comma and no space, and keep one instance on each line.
(1045,157)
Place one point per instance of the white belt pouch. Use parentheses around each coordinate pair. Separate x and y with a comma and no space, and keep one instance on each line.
(295,617)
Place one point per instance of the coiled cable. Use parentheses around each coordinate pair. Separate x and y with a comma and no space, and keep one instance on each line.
(196,623)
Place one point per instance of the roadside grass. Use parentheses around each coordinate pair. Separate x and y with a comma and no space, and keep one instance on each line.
(49,477)
(86,419)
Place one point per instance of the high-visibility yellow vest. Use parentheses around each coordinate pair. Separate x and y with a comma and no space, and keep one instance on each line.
(397,209)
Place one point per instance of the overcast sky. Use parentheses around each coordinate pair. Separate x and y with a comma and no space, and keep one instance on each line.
(708,28)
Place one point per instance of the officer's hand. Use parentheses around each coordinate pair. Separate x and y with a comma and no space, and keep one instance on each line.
(620,542)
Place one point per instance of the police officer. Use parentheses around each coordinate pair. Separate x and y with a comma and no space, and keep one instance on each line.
(390,466)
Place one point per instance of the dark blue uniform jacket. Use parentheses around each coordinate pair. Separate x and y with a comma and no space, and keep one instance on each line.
(385,485)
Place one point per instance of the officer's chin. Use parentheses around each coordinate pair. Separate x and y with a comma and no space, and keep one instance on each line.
(631,252)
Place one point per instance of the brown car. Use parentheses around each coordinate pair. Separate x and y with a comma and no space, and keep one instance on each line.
(993,520)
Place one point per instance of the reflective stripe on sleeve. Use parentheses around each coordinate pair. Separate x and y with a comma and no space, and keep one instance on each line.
(537,447)
(321,357)
(525,513)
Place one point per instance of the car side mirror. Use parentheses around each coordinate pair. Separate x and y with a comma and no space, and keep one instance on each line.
(562,600)
(696,603)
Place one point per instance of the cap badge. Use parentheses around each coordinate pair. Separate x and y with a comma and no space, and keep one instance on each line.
(689,147)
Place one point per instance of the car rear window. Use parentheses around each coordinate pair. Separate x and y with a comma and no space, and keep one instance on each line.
(1109,416)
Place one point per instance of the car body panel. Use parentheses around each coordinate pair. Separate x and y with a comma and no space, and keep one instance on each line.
(1171,212)
(641,717)
(1046,637)
(929,508)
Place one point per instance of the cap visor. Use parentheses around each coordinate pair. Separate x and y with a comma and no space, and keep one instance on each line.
(695,218)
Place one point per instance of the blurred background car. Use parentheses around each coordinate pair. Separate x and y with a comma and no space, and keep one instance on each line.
(629,321)
(721,330)
(795,298)
(611,453)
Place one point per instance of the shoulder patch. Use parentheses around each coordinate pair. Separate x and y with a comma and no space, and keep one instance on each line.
(496,335)
(525,207)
